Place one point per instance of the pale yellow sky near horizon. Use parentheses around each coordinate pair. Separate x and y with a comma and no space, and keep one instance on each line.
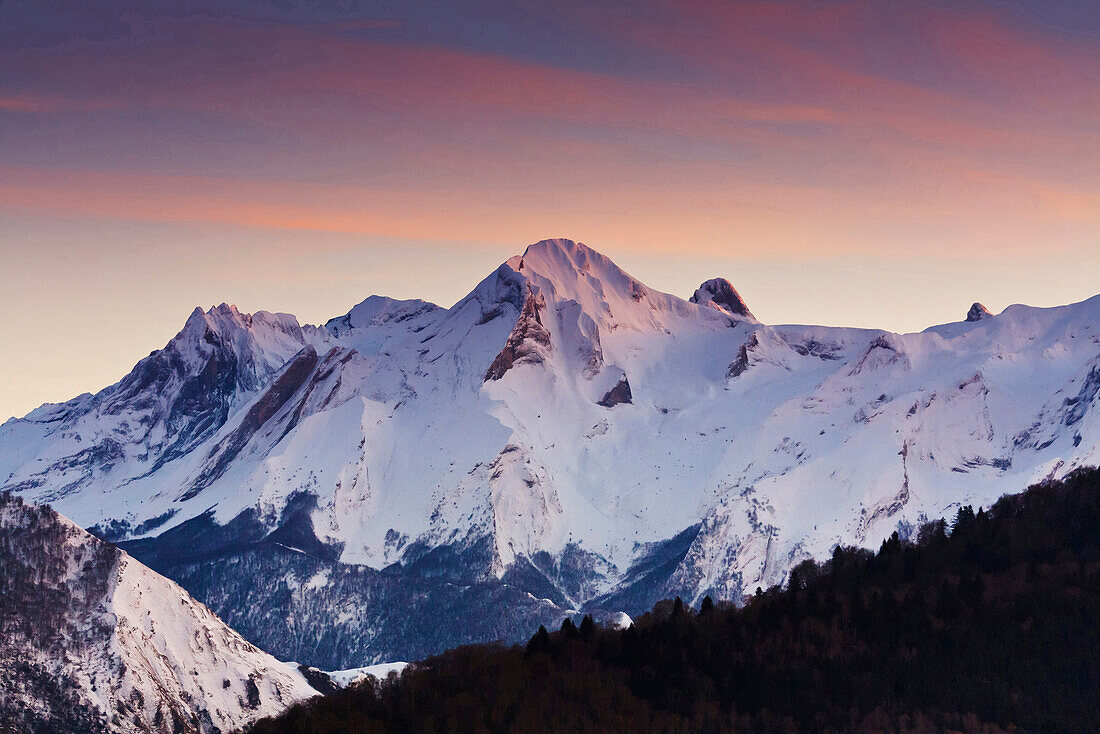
(80,318)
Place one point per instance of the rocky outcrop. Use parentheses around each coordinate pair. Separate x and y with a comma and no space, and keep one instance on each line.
(720,294)
(276,395)
(1079,404)
(977,312)
(881,352)
(617,395)
(528,342)
(740,363)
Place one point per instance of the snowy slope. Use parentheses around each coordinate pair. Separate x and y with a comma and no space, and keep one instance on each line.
(572,436)
(169,404)
(95,641)
(345,678)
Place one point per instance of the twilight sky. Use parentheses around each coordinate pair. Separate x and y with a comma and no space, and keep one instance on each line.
(853,163)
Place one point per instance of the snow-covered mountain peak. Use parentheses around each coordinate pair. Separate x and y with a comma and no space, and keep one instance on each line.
(379,322)
(378,310)
(569,269)
(719,293)
(564,430)
(222,319)
(170,402)
(563,258)
(265,338)
(564,271)
(217,354)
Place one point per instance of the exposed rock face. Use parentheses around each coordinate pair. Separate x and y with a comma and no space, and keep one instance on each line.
(977,312)
(740,363)
(1077,406)
(617,395)
(171,402)
(301,606)
(276,395)
(92,641)
(720,294)
(528,342)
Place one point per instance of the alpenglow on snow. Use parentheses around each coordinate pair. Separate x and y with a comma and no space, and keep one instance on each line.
(406,477)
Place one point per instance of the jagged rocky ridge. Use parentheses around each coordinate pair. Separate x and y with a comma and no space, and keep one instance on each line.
(93,641)
(564,438)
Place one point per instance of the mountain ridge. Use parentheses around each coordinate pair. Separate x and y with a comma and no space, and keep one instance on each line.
(95,641)
(563,437)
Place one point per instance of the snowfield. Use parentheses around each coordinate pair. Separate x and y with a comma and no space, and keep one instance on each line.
(345,678)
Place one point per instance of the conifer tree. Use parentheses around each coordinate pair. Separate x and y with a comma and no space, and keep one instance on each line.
(539,642)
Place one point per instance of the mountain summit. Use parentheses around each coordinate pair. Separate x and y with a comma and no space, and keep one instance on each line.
(563,438)
(977,312)
(718,293)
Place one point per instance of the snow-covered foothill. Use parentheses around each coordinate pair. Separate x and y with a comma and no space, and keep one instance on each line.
(345,678)
(95,641)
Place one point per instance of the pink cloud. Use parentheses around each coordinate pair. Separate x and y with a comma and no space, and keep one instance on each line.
(486,144)
(40,103)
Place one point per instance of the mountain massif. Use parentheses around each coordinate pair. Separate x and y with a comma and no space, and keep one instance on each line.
(564,439)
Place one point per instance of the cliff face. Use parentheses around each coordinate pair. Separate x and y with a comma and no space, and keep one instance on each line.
(527,344)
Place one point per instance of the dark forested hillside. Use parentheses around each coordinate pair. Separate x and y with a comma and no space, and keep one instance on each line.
(986,624)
